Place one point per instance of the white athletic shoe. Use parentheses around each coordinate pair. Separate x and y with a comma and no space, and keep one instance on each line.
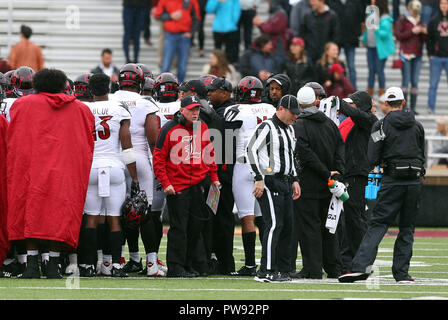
(72,269)
(153,270)
(162,267)
(106,269)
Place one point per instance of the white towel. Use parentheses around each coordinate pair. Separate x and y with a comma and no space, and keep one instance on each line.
(330,108)
(104,182)
(334,211)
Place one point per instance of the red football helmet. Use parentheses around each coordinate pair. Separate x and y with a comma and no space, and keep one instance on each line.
(131,75)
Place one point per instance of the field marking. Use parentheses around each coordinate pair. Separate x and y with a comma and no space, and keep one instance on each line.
(236,290)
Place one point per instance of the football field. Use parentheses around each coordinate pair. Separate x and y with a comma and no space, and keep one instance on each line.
(429,267)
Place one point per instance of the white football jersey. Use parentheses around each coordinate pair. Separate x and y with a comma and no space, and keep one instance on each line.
(5,107)
(251,115)
(166,111)
(139,109)
(108,117)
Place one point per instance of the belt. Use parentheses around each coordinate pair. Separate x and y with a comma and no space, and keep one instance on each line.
(283,177)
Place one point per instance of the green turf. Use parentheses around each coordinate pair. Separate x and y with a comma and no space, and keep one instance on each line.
(429,267)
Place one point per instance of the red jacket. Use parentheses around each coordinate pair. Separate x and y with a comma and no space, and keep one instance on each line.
(50,151)
(341,88)
(410,43)
(182,158)
(186,21)
(4,243)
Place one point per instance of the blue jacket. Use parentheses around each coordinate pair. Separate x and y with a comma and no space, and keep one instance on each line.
(227,15)
(384,38)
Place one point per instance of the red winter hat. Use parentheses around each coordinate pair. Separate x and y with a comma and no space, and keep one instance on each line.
(299,41)
(336,67)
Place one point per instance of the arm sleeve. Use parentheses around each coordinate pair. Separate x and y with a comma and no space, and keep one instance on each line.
(211,6)
(257,141)
(430,39)
(359,117)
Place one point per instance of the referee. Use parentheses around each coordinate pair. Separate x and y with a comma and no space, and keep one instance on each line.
(270,154)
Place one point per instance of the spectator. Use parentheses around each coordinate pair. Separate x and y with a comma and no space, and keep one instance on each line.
(396,9)
(329,57)
(245,25)
(134,12)
(108,68)
(220,67)
(380,45)
(411,33)
(297,65)
(50,218)
(340,86)
(297,15)
(4,65)
(225,26)
(320,152)
(437,46)
(277,27)
(147,24)
(319,26)
(202,4)
(26,53)
(350,14)
(179,24)
(259,61)
(429,9)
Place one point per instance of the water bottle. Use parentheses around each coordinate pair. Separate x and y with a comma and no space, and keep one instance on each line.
(338,189)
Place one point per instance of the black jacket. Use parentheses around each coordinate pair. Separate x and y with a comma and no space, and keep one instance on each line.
(225,170)
(319,150)
(356,160)
(351,15)
(437,39)
(318,29)
(299,73)
(404,139)
(113,85)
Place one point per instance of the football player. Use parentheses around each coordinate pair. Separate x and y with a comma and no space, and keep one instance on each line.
(107,184)
(144,129)
(247,114)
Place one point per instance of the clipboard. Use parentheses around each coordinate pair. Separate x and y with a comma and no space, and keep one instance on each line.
(213,199)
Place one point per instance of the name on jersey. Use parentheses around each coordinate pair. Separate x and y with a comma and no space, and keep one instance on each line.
(259,110)
(165,109)
(96,111)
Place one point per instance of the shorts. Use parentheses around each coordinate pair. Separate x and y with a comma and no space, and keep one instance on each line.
(100,205)
(242,188)
(145,175)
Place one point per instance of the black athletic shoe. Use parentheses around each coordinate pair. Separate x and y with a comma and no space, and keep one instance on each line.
(350,277)
(246,271)
(132,266)
(182,274)
(277,277)
(260,276)
(119,273)
(32,269)
(53,269)
(87,272)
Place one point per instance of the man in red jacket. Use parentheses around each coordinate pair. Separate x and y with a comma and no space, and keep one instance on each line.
(47,181)
(4,243)
(180,19)
(183,157)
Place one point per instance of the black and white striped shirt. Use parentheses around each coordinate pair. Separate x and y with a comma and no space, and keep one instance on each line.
(270,150)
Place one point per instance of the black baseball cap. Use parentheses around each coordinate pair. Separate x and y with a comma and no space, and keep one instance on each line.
(290,102)
(220,84)
(189,102)
(195,86)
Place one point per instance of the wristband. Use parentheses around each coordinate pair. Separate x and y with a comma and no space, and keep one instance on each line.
(128,155)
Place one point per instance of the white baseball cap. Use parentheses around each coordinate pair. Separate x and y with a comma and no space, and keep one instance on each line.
(394,94)
(306,95)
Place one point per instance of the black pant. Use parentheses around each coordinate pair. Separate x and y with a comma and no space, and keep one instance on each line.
(392,199)
(353,220)
(186,221)
(230,41)
(319,248)
(223,230)
(246,24)
(277,209)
